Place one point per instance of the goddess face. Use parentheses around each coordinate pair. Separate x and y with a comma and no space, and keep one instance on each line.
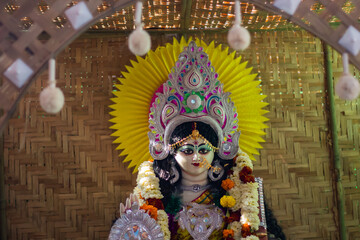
(194,156)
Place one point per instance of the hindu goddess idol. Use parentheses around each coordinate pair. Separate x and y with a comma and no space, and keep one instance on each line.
(199,183)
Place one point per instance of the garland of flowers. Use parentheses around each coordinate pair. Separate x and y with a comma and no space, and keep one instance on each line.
(149,195)
(242,196)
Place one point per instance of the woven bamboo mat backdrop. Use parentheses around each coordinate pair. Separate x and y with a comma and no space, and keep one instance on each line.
(348,124)
(64,180)
(295,161)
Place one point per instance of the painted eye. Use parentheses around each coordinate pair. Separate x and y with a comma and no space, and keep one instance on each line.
(187,151)
(203,151)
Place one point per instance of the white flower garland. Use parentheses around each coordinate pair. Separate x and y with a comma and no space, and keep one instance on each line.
(236,227)
(251,237)
(148,187)
(245,195)
(163,221)
(147,182)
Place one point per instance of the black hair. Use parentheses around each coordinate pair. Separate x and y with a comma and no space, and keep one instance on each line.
(273,228)
(162,168)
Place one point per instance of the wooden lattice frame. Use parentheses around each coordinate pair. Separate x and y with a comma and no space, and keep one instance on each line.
(29,45)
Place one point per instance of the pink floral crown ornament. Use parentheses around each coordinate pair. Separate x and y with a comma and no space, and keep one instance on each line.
(192,93)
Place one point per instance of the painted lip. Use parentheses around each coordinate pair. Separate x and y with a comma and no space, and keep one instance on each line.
(196,164)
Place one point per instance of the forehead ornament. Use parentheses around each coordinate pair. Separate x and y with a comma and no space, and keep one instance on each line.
(194,135)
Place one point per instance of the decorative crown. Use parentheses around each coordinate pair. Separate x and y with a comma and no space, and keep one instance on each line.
(192,93)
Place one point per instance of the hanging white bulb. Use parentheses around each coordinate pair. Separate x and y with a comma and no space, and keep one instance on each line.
(51,97)
(348,87)
(238,36)
(139,39)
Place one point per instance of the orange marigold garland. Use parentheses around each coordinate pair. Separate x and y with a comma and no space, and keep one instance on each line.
(227,184)
(245,230)
(228,233)
(151,210)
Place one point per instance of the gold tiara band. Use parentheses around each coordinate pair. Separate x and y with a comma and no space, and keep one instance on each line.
(194,135)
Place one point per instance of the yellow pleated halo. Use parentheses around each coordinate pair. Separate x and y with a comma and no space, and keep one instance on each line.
(140,82)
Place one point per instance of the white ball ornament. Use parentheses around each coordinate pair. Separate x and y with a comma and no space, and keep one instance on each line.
(347,88)
(238,37)
(51,99)
(139,42)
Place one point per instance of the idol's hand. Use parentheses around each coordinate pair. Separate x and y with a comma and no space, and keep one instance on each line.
(130,202)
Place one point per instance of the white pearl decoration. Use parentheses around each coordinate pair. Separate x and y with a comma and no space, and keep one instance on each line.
(193,101)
